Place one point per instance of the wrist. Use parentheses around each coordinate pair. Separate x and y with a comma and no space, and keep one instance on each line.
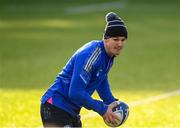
(105,108)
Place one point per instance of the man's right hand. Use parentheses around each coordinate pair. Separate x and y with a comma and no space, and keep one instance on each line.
(109,116)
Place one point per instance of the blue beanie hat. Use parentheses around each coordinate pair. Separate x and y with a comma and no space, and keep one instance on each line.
(115,26)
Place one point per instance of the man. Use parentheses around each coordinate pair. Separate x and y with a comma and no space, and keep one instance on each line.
(85,72)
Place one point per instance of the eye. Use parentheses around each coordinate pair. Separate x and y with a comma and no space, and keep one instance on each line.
(115,39)
(123,39)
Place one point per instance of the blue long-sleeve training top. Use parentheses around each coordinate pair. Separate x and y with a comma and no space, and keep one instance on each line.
(85,72)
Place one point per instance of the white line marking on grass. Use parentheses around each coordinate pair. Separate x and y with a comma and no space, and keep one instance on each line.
(95,7)
(154,98)
(142,102)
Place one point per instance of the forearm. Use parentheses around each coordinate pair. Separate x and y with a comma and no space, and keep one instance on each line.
(105,93)
(84,99)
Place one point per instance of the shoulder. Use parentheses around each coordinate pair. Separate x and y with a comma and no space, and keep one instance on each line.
(89,49)
(90,53)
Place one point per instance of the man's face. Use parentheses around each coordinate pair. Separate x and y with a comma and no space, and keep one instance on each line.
(114,45)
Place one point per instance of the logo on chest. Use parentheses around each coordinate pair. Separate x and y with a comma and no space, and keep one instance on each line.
(100,72)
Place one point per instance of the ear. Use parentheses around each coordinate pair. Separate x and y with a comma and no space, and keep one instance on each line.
(105,41)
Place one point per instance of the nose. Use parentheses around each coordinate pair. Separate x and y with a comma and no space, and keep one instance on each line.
(120,43)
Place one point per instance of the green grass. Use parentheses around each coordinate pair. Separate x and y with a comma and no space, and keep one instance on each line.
(38,38)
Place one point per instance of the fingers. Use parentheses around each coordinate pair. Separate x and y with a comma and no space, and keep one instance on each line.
(114,104)
(113,117)
(109,116)
(116,117)
(107,120)
(116,122)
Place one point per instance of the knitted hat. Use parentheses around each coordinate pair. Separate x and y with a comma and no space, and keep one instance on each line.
(115,26)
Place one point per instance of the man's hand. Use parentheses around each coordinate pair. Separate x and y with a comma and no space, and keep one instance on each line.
(109,116)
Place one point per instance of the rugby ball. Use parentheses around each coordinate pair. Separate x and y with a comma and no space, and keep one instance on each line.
(121,110)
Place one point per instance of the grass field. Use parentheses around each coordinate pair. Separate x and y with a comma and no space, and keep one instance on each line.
(38,37)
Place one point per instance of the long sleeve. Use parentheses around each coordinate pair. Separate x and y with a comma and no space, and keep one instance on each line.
(80,79)
(105,92)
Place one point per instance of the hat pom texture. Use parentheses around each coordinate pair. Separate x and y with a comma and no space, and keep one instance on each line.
(112,16)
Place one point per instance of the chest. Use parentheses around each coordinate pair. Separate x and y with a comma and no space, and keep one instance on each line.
(100,74)
(102,70)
